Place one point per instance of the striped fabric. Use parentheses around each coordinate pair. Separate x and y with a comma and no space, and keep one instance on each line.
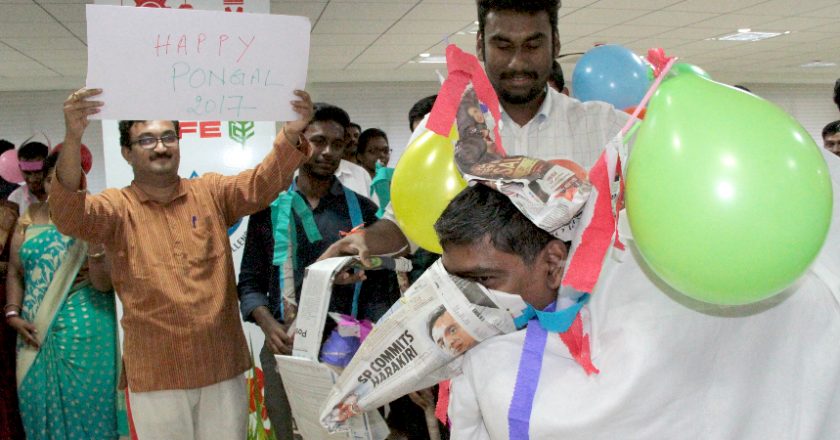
(173,271)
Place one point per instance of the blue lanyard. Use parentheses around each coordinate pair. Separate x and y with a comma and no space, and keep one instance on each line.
(284,229)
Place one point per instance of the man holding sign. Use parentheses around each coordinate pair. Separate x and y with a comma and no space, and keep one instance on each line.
(184,350)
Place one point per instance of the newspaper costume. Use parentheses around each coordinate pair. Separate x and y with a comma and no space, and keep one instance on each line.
(404,352)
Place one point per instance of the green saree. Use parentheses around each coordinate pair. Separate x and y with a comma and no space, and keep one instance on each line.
(68,387)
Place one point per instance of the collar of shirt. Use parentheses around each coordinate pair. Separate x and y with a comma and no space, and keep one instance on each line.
(144,197)
(336,189)
(542,114)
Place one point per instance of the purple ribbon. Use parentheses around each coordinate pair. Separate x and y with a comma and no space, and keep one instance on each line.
(527,378)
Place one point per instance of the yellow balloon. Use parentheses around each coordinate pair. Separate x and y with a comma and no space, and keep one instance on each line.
(425,180)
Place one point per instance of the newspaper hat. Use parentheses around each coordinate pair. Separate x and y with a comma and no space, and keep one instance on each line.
(549,193)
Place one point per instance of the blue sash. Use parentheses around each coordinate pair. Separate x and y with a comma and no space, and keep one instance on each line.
(283,230)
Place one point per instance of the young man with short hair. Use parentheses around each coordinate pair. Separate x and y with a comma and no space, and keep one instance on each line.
(328,208)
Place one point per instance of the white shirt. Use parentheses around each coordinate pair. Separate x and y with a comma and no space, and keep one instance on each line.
(563,128)
(356,178)
(23,197)
(674,368)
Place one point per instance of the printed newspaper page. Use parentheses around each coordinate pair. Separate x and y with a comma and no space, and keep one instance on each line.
(549,193)
(419,342)
(307,381)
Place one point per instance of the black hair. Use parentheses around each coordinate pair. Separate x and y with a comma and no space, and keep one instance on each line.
(557,76)
(353,124)
(125,131)
(831,129)
(420,109)
(433,318)
(328,112)
(366,137)
(33,150)
(837,93)
(50,162)
(531,7)
(479,212)
(6,146)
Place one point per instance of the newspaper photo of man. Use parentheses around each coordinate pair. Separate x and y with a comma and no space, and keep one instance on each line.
(448,334)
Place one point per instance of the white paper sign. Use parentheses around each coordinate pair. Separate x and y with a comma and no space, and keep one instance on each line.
(155,63)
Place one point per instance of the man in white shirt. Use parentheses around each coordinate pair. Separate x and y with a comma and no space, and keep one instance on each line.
(670,367)
(518,42)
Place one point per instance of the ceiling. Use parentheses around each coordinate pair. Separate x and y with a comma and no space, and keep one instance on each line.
(42,42)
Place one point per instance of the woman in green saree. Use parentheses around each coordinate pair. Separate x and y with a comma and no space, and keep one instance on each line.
(67,349)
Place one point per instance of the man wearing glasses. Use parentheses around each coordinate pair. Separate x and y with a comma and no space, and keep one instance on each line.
(184,351)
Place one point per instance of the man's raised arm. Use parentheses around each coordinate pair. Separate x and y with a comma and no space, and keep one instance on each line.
(76,111)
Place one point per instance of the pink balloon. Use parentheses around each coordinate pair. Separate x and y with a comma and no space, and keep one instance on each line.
(9,167)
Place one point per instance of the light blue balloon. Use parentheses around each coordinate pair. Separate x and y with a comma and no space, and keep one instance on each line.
(612,74)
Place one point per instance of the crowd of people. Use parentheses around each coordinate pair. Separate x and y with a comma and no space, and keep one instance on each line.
(668,368)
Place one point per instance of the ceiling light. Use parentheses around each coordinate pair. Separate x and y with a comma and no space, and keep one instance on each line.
(744,30)
(438,59)
(818,64)
(749,36)
(425,55)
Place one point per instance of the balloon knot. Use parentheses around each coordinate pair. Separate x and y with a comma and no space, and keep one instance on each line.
(657,58)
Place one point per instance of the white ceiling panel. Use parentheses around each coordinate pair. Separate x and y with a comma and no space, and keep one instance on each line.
(24,44)
(788,7)
(440,27)
(798,23)
(321,40)
(722,6)
(610,16)
(30,30)
(26,12)
(673,18)
(365,11)
(309,9)
(436,11)
(58,55)
(373,40)
(643,5)
(351,26)
(630,31)
(733,22)
(66,12)
(395,39)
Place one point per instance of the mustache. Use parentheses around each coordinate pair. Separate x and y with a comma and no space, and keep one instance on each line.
(158,156)
(510,74)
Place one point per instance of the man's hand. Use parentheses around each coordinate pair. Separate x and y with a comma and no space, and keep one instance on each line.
(276,338)
(26,330)
(349,276)
(353,244)
(77,108)
(275,335)
(294,129)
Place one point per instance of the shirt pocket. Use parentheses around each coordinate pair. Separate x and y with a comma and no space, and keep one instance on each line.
(206,239)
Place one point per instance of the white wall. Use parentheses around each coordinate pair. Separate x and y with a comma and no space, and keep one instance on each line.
(381,105)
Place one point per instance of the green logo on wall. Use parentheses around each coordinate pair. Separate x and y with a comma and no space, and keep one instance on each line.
(241,131)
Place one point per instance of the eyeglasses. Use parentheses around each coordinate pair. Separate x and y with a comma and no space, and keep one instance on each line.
(149,143)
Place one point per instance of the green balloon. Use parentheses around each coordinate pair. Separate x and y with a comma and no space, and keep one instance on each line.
(728,197)
(686,68)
